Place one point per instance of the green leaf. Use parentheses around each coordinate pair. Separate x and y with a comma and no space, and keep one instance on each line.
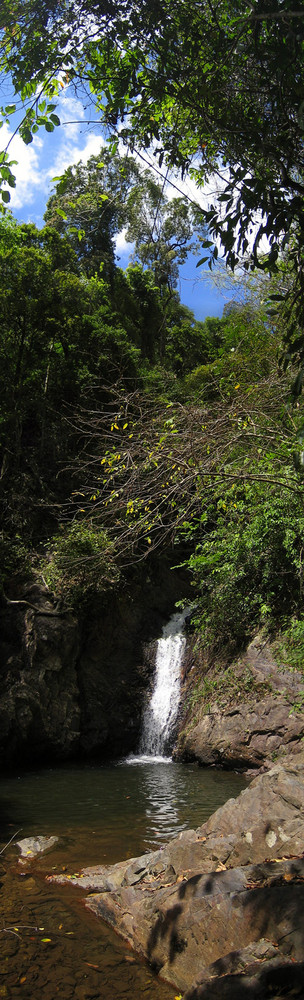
(5,195)
(202,261)
(27,136)
(63,215)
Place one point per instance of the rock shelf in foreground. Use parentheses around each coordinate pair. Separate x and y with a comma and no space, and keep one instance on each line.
(219,911)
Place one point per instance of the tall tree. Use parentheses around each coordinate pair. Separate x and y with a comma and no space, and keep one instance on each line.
(89,207)
(58,335)
(93,202)
(163,231)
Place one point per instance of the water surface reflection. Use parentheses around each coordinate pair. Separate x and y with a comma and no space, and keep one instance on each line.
(124,809)
(101,815)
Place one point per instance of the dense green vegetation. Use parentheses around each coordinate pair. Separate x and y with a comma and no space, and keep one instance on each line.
(126,425)
(129,427)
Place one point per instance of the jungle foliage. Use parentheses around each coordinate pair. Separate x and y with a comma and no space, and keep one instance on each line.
(172,432)
(128,427)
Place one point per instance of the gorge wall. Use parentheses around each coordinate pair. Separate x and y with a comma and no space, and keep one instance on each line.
(74,685)
(241,713)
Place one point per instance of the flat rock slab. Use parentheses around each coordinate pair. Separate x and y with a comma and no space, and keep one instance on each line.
(211,903)
(202,919)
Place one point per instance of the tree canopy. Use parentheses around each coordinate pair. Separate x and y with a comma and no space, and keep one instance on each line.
(94,202)
(88,205)
(211,86)
(212,89)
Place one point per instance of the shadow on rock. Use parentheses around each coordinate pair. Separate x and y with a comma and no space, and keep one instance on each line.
(275,901)
(165,926)
(274,980)
(188,888)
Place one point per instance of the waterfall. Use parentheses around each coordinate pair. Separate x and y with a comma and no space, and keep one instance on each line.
(161,712)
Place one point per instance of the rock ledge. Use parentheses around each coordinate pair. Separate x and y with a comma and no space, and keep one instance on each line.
(219,911)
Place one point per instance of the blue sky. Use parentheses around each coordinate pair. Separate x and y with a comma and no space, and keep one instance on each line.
(49,155)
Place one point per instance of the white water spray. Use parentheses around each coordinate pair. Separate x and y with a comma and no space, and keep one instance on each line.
(161,712)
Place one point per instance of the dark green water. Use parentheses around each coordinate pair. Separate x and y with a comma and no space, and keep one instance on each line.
(101,815)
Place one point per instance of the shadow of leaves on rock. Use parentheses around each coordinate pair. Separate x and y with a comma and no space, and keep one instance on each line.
(275,901)
(187,888)
(165,926)
(273,904)
(264,902)
(270,982)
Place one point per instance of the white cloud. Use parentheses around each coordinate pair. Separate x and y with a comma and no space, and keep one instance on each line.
(70,110)
(48,156)
(69,153)
(122,245)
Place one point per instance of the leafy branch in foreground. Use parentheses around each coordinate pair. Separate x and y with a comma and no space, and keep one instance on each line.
(149,471)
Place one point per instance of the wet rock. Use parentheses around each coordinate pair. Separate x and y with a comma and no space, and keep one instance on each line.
(30,847)
(39,711)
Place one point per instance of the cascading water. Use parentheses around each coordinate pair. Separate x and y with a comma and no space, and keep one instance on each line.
(161,712)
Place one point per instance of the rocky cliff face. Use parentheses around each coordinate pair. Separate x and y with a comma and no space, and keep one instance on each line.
(242,714)
(75,685)
(39,706)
